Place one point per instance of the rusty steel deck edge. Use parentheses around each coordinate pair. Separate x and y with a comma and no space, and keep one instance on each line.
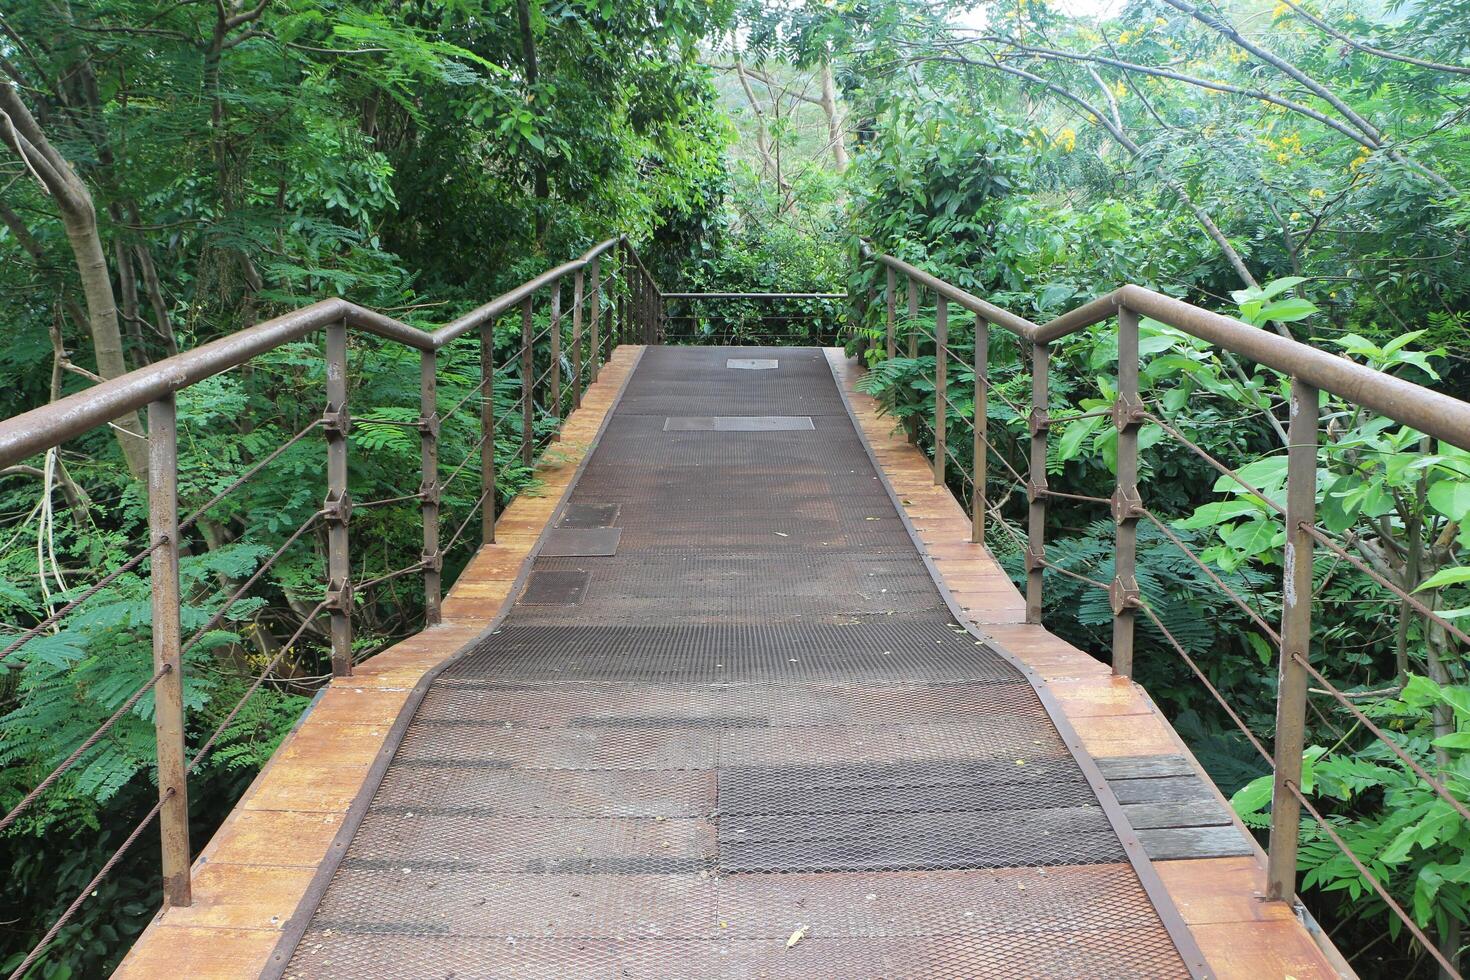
(295,927)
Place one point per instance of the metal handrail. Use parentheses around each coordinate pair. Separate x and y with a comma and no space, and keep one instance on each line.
(41,428)
(1430,412)
(1312,371)
(754,296)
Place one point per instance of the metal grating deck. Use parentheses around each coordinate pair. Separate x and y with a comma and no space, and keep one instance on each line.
(756,718)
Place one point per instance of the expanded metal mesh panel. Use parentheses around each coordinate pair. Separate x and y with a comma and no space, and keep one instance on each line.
(756,718)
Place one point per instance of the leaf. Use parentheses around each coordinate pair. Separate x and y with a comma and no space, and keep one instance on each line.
(1448,576)
(1266,474)
(1253,538)
(1457,740)
(1209,515)
(796,936)
(1451,498)
(1288,310)
(1253,796)
(1071,441)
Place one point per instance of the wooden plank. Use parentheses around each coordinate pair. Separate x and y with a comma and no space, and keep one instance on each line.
(1221,890)
(1195,813)
(1172,843)
(1126,767)
(1266,949)
(198,954)
(1161,789)
(256,836)
(241,896)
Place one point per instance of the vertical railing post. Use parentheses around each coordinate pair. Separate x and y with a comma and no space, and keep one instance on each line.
(911,293)
(336,422)
(892,286)
(168,693)
(978,501)
(528,381)
(554,392)
(1040,424)
(432,559)
(941,387)
(487,431)
(1127,502)
(650,315)
(1296,637)
(594,315)
(620,304)
(577,288)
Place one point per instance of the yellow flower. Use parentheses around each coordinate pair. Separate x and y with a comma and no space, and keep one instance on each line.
(1160,22)
(1332,295)
(1120,90)
(1296,216)
(1066,141)
(1283,158)
(1316,193)
(1239,57)
(1125,37)
(1279,11)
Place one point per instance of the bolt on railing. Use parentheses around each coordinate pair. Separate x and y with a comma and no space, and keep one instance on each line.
(153,388)
(1310,371)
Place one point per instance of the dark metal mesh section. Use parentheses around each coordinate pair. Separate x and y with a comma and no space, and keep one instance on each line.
(757,718)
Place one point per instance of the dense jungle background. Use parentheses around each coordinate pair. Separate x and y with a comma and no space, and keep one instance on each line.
(176,170)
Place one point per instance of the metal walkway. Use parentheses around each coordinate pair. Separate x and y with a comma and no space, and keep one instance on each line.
(732,730)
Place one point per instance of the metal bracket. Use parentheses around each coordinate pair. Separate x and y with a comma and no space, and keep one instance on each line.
(1038,421)
(429,426)
(337,508)
(1035,557)
(431,561)
(1127,505)
(429,491)
(1123,594)
(339,596)
(1128,411)
(336,421)
(1035,491)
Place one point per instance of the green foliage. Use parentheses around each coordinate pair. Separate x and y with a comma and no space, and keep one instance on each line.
(1410,839)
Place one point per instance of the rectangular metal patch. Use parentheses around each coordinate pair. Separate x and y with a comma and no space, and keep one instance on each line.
(752,363)
(590,515)
(581,542)
(558,587)
(738,423)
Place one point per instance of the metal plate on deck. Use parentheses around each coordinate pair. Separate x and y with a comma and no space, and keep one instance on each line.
(581,542)
(752,363)
(590,515)
(555,588)
(737,423)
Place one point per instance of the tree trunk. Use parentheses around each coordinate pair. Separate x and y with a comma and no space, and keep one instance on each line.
(22,134)
(834,120)
(528,55)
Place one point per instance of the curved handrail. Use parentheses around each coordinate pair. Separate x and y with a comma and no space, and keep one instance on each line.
(41,428)
(1421,408)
